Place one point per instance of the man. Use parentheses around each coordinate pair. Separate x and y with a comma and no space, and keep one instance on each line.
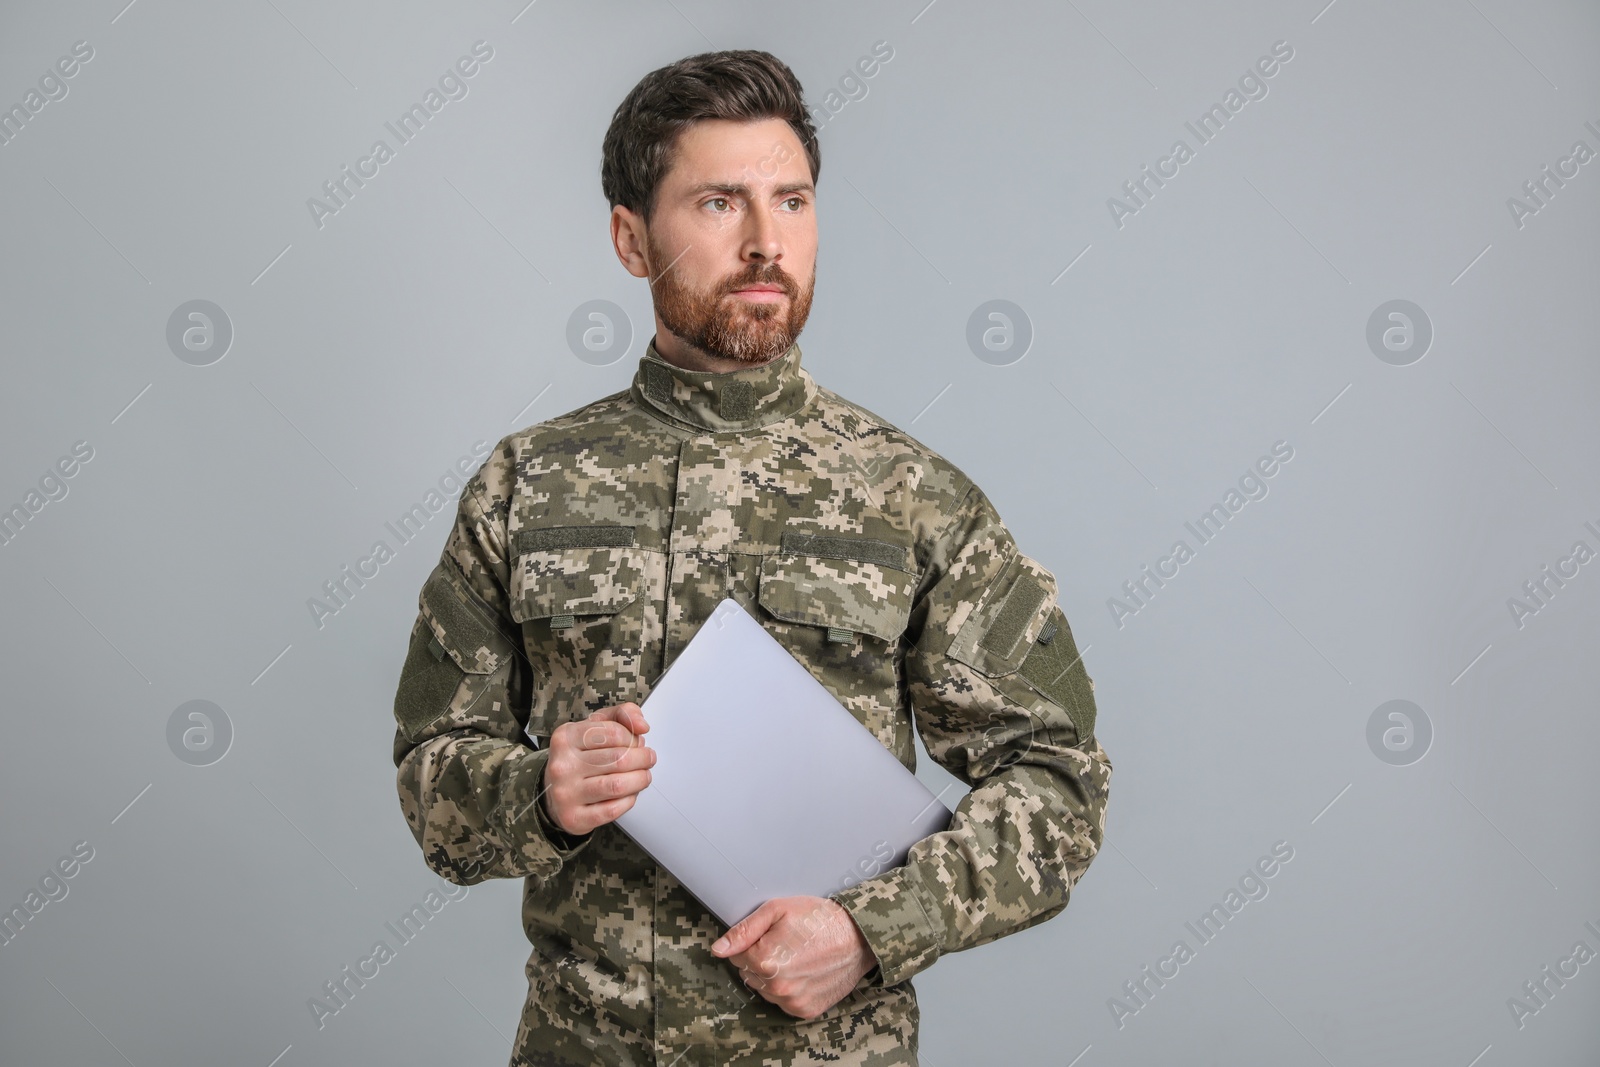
(589,548)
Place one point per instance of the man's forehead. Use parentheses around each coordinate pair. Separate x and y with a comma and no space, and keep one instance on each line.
(725,154)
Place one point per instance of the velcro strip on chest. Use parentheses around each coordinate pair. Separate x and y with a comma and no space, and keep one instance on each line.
(738,400)
(845,546)
(547,538)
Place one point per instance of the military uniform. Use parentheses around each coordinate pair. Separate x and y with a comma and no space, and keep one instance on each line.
(586,552)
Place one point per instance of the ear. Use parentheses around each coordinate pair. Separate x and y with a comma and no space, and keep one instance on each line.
(628,239)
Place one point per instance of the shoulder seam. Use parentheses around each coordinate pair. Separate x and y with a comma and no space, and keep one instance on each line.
(959,499)
(566,417)
(894,437)
(948,517)
(486,517)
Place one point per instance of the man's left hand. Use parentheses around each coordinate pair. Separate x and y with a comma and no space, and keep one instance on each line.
(801,953)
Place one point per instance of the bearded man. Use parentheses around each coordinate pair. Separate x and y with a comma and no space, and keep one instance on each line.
(590,547)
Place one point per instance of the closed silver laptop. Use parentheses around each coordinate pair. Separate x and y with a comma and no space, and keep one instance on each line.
(765,785)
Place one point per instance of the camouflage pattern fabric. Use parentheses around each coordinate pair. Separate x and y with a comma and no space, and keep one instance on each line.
(586,552)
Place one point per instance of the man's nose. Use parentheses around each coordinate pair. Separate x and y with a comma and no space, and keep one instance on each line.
(761,238)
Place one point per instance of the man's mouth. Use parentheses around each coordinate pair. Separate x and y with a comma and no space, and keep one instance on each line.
(761,293)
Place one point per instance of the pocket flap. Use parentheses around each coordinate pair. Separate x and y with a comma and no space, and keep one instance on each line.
(552,576)
(839,581)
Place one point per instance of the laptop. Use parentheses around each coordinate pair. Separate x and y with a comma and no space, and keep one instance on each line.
(765,785)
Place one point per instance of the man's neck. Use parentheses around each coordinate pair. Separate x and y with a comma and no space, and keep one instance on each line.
(680,353)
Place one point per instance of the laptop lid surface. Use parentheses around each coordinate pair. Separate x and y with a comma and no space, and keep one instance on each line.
(765,785)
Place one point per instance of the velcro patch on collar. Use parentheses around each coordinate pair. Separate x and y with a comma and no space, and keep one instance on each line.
(738,400)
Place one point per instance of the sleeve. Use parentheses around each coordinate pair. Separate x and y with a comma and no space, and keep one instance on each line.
(1002,701)
(470,785)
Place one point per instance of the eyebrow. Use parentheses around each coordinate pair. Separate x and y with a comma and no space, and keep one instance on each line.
(740,189)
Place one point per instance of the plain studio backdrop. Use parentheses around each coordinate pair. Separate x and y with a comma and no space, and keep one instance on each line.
(1371,270)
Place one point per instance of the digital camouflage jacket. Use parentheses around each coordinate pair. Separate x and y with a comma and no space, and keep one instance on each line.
(586,552)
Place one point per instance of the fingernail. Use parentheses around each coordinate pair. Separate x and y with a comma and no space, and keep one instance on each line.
(720,945)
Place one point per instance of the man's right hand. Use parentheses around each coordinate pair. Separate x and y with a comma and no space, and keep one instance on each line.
(597,768)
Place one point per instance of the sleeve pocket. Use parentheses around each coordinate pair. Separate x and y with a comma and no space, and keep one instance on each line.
(1054,667)
(1008,617)
(453,636)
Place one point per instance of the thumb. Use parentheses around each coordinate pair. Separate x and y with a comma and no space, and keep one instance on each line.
(747,931)
(631,716)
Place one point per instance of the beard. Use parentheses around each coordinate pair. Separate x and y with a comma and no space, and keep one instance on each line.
(735,328)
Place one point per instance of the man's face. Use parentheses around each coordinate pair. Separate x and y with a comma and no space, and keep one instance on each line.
(731,248)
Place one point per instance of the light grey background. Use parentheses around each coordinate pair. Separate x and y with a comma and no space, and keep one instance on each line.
(1228,313)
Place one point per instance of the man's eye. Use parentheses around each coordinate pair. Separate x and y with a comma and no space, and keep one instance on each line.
(799,202)
(717,200)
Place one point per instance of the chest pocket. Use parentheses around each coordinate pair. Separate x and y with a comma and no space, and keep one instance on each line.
(841,603)
(842,585)
(580,594)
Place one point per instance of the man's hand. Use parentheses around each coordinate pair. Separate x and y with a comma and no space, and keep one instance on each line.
(801,953)
(597,767)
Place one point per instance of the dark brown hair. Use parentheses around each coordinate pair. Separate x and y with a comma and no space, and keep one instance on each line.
(740,84)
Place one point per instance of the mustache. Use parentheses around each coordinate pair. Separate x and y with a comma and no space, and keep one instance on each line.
(773,275)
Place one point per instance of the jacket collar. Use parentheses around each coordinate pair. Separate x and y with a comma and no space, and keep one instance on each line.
(742,399)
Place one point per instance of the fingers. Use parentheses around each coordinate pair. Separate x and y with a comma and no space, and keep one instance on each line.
(747,931)
(600,788)
(594,733)
(581,761)
(580,803)
(602,737)
(627,714)
(597,767)
(618,727)
(591,816)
